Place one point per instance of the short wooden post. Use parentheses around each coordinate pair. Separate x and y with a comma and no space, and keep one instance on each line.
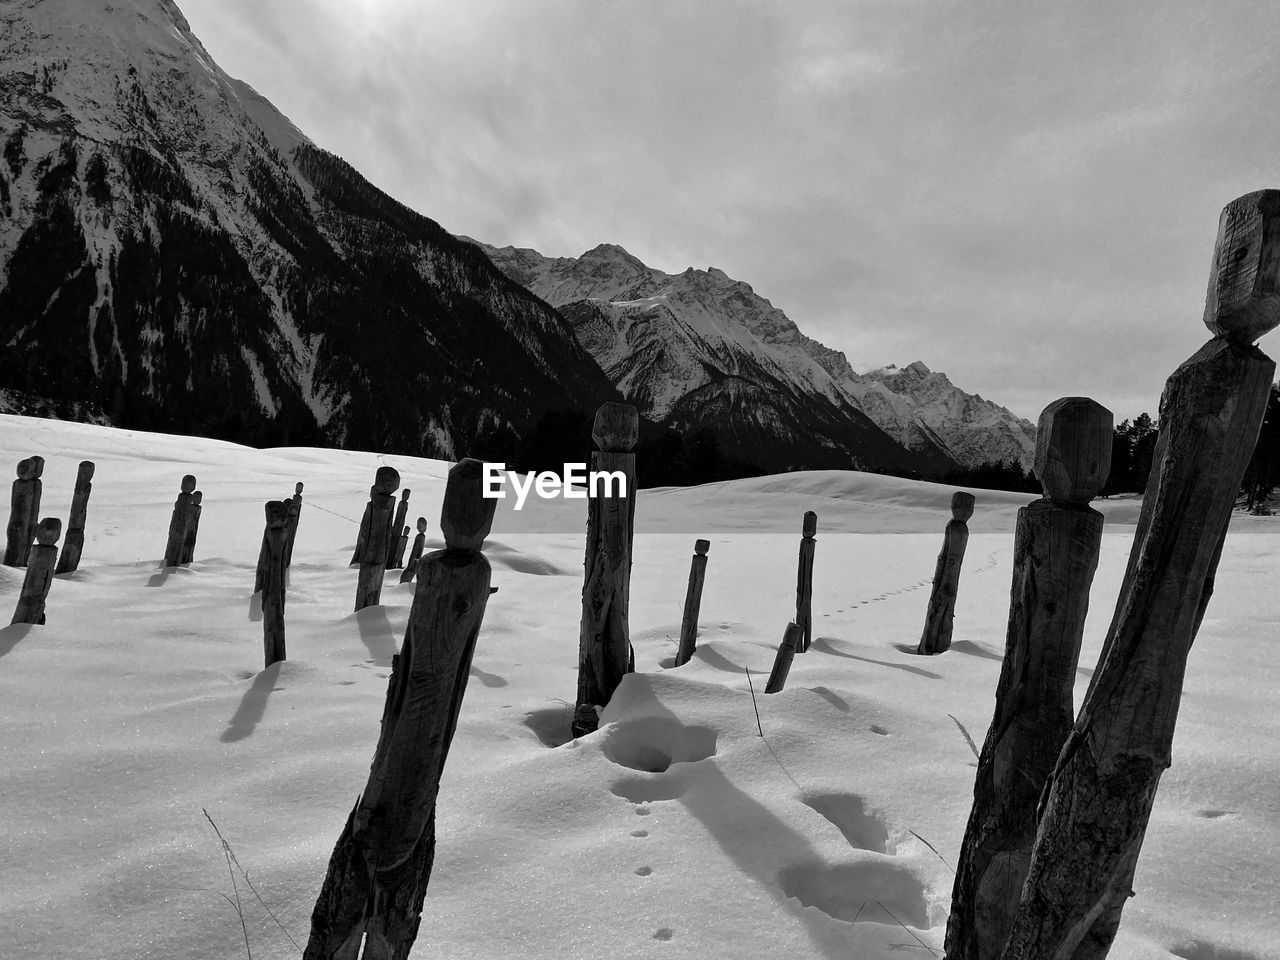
(804,580)
(178,523)
(24,508)
(378,873)
(73,542)
(946,578)
(1099,798)
(276,536)
(604,639)
(394,527)
(374,565)
(35,585)
(397,555)
(291,534)
(693,602)
(193,527)
(419,544)
(792,637)
(1055,554)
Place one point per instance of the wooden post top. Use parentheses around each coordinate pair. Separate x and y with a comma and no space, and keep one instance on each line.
(809,526)
(467,514)
(277,512)
(188,484)
(616,428)
(197,497)
(1073,449)
(962,506)
(404,494)
(38,465)
(700,547)
(422,524)
(48,531)
(297,489)
(1243,301)
(386,480)
(85,472)
(27,469)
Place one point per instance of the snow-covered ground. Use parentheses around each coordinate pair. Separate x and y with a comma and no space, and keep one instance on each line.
(143,701)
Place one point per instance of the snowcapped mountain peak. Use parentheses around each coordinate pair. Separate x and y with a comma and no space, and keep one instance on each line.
(918,368)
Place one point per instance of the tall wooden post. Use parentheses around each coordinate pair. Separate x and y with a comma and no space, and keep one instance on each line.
(35,585)
(792,637)
(276,536)
(378,873)
(946,578)
(394,527)
(24,508)
(73,542)
(693,602)
(1100,795)
(604,640)
(178,523)
(397,555)
(419,544)
(291,529)
(1055,554)
(804,580)
(362,538)
(374,565)
(193,527)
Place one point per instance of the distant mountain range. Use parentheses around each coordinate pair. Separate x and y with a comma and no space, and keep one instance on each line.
(175,254)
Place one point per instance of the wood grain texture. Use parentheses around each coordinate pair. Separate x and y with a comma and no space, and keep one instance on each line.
(940,615)
(177,536)
(39,576)
(1073,449)
(792,637)
(378,874)
(373,566)
(295,516)
(397,555)
(804,580)
(193,528)
(1100,795)
(604,638)
(1243,301)
(419,544)
(692,602)
(402,511)
(273,584)
(24,507)
(73,542)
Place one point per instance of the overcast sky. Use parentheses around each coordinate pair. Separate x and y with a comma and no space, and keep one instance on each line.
(1022,194)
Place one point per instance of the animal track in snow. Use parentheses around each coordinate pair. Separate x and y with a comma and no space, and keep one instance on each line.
(643,871)
(653,744)
(876,728)
(665,933)
(1214,814)
(858,891)
(848,813)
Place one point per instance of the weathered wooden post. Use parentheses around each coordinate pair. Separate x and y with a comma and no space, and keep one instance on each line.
(693,602)
(362,538)
(380,867)
(193,527)
(35,585)
(1099,798)
(397,555)
(604,641)
(419,544)
(291,534)
(276,536)
(787,649)
(73,542)
(804,580)
(1055,554)
(946,578)
(178,523)
(394,526)
(24,509)
(374,564)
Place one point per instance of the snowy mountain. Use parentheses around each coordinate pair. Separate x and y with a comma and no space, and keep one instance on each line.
(702,349)
(175,251)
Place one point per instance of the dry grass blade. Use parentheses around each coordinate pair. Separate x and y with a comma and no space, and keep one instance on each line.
(244,873)
(931,847)
(967,739)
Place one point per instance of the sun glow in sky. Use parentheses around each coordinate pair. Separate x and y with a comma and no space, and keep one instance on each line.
(1024,195)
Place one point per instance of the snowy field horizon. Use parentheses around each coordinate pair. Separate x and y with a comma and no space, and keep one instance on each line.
(675,830)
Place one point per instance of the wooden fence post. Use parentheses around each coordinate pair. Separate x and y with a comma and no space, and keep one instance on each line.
(24,506)
(946,578)
(419,544)
(1055,554)
(193,527)
(604,639)
(397,555)
(178,523)
(394,527)
(693,602)
(792,637)
(276,536)
(374,565)
(35,585)
(362,538)
(295,513)
(1099,798)
(804,580)
(378,873)
(73,542)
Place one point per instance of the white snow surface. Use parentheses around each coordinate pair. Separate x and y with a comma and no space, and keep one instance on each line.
(675,831)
